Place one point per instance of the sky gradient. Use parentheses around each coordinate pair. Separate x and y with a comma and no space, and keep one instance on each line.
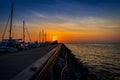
(67,20)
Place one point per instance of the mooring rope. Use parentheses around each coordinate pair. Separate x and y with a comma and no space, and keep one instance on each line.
(64,66)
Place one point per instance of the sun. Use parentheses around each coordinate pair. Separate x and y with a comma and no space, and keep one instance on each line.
(54,38)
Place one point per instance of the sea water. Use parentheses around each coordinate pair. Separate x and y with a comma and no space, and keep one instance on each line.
(103,60)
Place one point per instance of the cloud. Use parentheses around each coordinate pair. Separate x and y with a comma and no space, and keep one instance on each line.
(86,22)
(38,14)
(80,23)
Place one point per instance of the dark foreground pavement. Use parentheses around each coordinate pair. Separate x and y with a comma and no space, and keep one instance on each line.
(13,63)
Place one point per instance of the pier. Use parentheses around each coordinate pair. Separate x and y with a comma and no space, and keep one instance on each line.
(11,64)
(53,62)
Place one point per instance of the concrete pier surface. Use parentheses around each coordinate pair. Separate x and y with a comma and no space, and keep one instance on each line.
(53,62)
(13,63)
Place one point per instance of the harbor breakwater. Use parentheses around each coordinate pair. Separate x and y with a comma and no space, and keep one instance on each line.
(58,64)
(70,68)
(65,67)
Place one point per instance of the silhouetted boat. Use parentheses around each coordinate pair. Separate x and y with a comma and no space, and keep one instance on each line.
(10,44)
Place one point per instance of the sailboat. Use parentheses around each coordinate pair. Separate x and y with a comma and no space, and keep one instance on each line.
(10,44)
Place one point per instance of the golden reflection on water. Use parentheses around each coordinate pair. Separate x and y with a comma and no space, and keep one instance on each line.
(100,56)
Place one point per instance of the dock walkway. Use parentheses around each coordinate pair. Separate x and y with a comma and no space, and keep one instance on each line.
(13,63)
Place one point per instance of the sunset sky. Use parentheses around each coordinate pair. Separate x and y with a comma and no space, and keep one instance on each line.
(66,20)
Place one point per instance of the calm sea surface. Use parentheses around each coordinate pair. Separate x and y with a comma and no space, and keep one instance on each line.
(103,60)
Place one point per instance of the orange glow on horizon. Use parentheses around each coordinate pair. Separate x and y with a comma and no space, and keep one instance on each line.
(67,36)
(68,32)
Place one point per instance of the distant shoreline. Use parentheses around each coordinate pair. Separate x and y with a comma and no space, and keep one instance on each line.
(93,43)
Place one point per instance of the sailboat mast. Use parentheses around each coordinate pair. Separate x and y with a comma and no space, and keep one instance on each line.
(11,18)
(42,35)
(39,36)
(45,37)
(23,31)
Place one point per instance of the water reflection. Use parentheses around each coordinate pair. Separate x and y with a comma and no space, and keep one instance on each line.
(102,57)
